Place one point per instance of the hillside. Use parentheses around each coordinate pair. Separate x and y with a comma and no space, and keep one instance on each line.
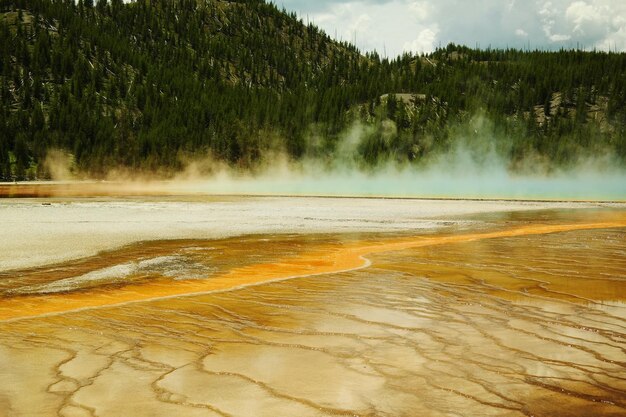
(149,85)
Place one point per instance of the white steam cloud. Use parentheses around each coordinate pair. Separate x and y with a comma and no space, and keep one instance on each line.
(473,168)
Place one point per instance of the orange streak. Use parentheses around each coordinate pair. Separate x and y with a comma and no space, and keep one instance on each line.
(325,259)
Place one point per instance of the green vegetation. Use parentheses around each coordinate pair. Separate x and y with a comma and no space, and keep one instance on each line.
(150,84)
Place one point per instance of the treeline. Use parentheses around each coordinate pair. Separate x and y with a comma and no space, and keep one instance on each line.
(149,84)
(560,106)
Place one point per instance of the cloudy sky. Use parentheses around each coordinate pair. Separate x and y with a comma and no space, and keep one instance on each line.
(395,26)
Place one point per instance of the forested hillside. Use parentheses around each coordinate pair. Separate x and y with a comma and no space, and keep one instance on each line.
(151,84)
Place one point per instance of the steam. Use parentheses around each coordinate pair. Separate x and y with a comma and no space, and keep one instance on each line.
(60,165)
(462,180)
(475,166)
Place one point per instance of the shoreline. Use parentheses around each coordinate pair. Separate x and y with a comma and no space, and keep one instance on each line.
(190,189)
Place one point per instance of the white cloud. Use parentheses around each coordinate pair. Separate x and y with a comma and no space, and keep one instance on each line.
(424,43)
(588,19)
(421,25)
(615,41)
(385,26)
(581,13)
(549,13)
(422,10)
(555,37)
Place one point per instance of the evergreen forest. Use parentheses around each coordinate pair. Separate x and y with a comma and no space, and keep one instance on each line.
(150,84)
